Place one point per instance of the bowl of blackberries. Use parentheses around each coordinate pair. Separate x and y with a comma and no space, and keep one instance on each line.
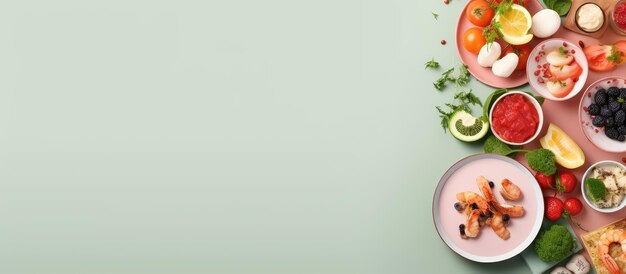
(603,114)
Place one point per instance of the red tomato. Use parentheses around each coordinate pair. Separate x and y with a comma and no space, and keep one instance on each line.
(597,58)
(573,206)
(479,13)
(522,51)
(621,47)
(473,40)
(566,182)
(545,181)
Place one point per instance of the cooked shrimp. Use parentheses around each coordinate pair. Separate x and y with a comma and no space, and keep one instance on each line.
(512,210)
(485,189)
(467,198)
(472,226)
(612,236)
(497,224)
(510,191)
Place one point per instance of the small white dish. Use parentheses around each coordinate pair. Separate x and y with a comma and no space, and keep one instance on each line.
(535,104)
(584,191)
(535,60)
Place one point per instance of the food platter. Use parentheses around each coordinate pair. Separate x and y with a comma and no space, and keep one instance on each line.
(484,74)
(569,130)
(488,247)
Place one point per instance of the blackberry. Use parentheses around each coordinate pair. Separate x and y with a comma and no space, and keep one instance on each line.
(620,117)
(613,92)
(624,106)
(609,122)
(506,217)
(621,138)
(614,105)
(621,129)
(601,97)
(593,109)
(458,206)
(622,93)
(612,133)
(605,111)
(598,121)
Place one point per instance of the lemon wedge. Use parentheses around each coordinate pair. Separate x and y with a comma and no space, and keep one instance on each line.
(515,24)
(567,153)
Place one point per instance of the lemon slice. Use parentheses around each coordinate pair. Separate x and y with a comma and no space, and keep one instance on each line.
(567,153)
(515,24)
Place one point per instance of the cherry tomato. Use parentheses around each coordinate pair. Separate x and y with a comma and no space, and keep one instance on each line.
(553,208)
(566,182)
(479,13)
(473,40)
(573,206)
(522,51)
(545,181)
(597,58)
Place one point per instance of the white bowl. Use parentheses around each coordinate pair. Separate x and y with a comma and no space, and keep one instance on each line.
(595,134)
(588,174)
(547,46)
(537,107)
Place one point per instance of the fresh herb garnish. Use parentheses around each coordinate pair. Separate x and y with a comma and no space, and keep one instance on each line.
(445,77)
(615,56)
(561,7)
(463,100)
(464,76)
(432,64)
(436,16)
(562,51)
(541,159)
(492,32)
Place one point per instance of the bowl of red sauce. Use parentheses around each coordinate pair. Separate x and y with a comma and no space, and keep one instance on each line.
(516,118)
(618,17)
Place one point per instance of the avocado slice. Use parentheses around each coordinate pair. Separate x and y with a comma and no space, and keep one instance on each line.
(466,127)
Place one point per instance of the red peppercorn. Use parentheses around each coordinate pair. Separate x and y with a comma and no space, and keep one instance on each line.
(446,1)
(443,42)
(582,44)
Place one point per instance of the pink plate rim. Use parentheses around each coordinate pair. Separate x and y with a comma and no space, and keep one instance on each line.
(532,234)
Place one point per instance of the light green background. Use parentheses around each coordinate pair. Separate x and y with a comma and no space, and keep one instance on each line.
(270,136)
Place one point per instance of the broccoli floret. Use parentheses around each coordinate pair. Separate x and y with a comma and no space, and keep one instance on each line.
(595,189)
(554,244)
(541,160)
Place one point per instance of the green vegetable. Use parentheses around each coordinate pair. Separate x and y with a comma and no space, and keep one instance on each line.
(541,160)
(435,15)
(494,145)
(465,100)
(615,57)
(432,64)
(440,84)
(595,189)
(554,244)
(464,76)
(467,128)
(561,7)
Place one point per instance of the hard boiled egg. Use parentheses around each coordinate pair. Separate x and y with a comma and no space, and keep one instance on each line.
(546,23)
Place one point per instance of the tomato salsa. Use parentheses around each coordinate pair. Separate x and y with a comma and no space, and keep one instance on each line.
(515,118)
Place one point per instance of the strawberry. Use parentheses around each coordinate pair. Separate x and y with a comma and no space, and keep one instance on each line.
(553,208)
(572,206)
(545,181)
(566,182)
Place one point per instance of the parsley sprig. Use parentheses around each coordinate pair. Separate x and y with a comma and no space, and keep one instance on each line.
(463,100)
(432,64)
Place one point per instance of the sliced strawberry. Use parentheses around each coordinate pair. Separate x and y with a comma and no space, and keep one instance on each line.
(560,88)
(558,59)
(568,71)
